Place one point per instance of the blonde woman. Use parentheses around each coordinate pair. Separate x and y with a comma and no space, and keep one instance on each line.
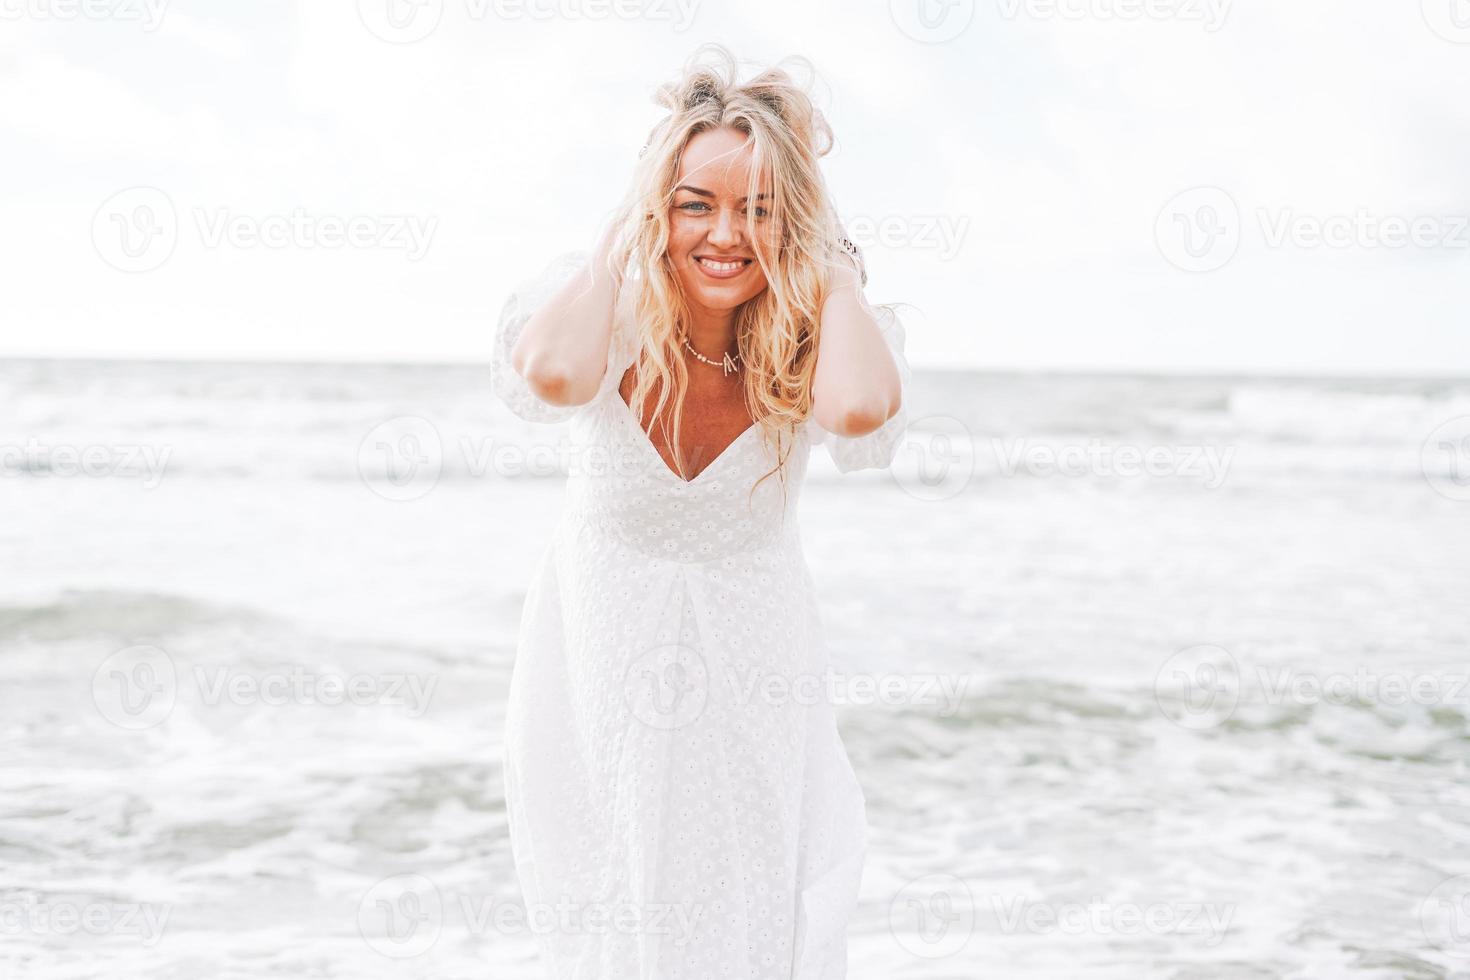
(681,806)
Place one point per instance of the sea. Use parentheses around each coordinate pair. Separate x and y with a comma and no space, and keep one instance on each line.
(1144,676)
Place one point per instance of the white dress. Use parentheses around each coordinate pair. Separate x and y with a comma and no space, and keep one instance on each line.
(680,803)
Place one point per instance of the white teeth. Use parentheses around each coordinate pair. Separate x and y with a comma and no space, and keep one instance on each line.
(721,266)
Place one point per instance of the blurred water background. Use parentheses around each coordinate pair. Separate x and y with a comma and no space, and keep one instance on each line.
(1179,673)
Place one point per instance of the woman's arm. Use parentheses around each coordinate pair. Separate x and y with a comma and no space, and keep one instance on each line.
(562,350)
(856,386)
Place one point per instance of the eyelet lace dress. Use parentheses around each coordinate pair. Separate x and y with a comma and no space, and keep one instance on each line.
(681,806)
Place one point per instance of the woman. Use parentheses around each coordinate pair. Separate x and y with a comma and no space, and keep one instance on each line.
(681,806)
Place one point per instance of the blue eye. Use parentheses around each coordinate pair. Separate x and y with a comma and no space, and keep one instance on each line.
(700,207)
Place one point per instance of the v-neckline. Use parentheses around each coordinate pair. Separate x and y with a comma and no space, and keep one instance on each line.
(627,411)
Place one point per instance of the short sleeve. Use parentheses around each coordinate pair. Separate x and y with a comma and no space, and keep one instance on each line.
(876,449)
(524,300)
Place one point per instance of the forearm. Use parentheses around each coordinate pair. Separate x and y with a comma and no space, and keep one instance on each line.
(563,348)
(856,386)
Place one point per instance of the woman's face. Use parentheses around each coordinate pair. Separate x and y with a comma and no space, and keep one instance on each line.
(709,248)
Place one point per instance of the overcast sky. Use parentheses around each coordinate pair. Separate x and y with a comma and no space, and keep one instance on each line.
(1080,184)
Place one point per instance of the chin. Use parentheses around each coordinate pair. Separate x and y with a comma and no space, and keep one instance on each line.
(722,300)
(714,295)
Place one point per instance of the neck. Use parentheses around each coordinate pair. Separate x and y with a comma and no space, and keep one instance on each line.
(712,332)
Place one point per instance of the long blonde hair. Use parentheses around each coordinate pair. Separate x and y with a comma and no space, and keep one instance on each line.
(776,330)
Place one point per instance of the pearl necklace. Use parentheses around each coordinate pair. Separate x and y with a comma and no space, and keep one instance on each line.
(727,365)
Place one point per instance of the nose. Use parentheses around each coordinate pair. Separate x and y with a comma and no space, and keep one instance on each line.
(726,231)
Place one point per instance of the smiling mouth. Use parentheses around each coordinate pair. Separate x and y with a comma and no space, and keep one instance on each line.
(721,268)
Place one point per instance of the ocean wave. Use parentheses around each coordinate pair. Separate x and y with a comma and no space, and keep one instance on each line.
(344,422)
(1329,415)
(78,613)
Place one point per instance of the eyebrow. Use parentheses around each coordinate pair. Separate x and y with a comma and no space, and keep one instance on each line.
(704,193)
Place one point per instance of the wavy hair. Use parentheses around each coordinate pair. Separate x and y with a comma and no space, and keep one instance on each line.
(776,331)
